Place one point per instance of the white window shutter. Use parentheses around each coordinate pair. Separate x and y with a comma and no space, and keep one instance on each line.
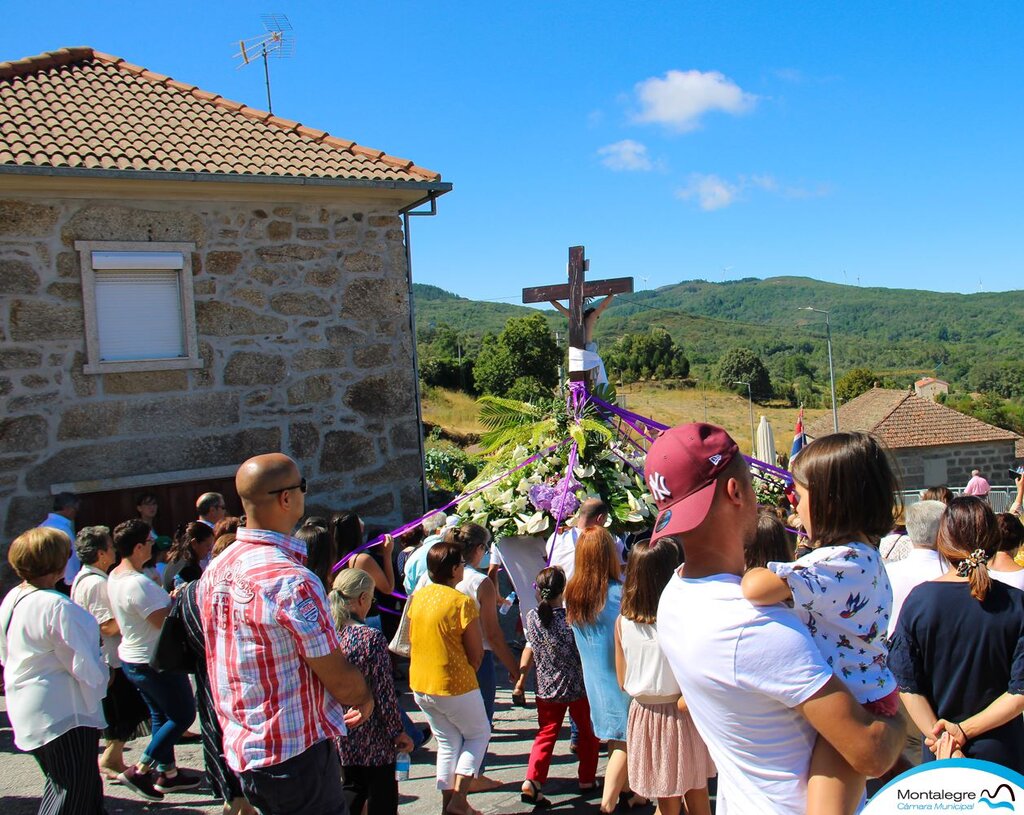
(138,311)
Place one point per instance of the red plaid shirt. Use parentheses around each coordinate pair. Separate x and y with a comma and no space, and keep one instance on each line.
(263,611)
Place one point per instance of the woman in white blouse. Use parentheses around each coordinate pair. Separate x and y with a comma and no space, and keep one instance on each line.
(55,675)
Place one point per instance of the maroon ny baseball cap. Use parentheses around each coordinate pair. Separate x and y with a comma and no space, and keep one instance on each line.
(681,468)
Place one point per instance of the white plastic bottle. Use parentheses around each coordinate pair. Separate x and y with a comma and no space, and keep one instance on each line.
(402,765)
(507,604)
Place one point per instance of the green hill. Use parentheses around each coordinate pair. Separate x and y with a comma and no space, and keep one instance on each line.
(900,332)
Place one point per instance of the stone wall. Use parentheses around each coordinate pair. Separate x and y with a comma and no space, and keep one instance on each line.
(303,324)
(993,459)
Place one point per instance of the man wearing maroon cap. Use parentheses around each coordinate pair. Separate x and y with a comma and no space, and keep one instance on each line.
(757,687)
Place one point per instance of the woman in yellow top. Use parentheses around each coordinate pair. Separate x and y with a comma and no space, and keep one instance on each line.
(446,650)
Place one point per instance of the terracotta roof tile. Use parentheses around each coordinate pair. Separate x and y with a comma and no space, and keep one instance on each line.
(902,419)
(82,108)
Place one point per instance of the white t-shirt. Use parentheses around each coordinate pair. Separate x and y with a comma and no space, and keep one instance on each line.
(1015,579)
(920,566)
(89,590)
(133,597)
(55,677)
(742,670)
(561,550)
(843,596)
(469,586)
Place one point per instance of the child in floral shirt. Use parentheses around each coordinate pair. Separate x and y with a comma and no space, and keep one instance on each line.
(846,499)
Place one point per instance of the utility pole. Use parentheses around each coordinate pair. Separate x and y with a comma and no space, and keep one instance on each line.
(750,407)
(831,369)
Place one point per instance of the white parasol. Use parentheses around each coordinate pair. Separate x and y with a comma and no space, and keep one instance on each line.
(764,448)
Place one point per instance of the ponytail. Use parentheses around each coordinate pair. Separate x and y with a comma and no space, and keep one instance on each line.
(968,537)
(349,585)
(468,537)
(550,585)
(975,568)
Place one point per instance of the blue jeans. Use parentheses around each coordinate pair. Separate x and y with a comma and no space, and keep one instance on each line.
(488,689)
(172,707)
(488,683)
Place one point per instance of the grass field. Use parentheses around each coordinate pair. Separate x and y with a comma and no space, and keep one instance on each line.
(456,411)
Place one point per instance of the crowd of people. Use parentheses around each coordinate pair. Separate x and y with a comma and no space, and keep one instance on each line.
(792,656)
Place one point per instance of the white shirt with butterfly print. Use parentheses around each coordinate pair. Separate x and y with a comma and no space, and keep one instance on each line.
(842,594)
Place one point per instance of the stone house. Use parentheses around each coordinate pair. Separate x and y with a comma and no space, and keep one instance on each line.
(932,444)
(929,387)
(185,282)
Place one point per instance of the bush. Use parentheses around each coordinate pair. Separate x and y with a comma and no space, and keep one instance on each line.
(448,469)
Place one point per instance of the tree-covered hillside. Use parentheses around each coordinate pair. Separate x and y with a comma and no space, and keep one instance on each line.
(974,341)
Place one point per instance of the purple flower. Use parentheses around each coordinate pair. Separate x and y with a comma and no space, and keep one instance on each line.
(540,496)
(571,504)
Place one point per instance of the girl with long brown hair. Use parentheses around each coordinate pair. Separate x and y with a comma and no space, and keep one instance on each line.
(846,493)
(666,756)
(958,649)
(592,601)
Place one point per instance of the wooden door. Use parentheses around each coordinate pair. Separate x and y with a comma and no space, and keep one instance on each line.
(177,504)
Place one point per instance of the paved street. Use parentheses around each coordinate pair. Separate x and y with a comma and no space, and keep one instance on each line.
(21,781)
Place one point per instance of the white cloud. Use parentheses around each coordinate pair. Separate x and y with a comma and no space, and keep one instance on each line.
(763,182)
(710,191)
(680,98)
(625,155)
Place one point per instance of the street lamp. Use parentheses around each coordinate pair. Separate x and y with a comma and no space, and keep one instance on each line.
(831,370)
(750,406)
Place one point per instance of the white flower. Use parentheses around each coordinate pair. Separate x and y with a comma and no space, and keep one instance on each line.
(584,471)
(524,485)
(531,524)
(498,523)
(520,504)
(480,519)
(477,504)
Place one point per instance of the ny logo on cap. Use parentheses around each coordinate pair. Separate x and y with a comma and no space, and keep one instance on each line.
(715,459)
(659,489)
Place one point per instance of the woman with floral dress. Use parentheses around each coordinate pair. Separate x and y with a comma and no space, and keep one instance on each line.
(368,751)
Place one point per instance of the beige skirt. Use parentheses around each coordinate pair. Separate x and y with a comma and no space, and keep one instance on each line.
(666,755)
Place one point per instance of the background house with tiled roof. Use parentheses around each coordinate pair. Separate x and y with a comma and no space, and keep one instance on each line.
(186,281)
(931,443)
(929,387)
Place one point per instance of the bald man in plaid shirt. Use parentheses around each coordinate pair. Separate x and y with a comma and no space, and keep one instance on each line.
(280,682)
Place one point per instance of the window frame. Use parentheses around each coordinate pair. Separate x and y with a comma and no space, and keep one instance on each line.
(94,364)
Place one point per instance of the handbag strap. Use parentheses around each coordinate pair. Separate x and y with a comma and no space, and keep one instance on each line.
(10,618)
(898,539)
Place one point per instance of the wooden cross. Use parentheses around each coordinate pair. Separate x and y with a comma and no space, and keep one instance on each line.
(575,292)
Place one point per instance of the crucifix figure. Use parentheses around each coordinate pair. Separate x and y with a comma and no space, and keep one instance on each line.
(583,357)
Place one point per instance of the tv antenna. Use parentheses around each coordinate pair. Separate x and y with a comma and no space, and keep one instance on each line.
(277,42)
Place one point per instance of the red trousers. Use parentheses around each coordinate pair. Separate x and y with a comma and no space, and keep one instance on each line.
(550,716)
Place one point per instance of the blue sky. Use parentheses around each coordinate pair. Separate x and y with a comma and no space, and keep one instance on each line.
(867,143)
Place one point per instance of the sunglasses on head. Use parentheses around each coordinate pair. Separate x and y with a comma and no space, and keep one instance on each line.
(301,487)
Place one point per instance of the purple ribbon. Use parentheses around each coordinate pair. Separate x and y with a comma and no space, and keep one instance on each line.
(413,524)
(770,468)
(638,470)
(631,418)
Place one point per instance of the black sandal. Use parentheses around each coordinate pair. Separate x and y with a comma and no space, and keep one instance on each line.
(629,800)
(534,798)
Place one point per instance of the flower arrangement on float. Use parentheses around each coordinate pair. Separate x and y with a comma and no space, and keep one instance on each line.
(579,457)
